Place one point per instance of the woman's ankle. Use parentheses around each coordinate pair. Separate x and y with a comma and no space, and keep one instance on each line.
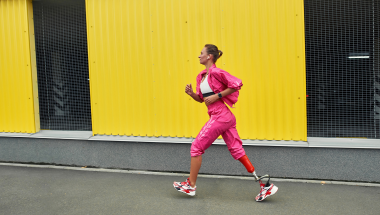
(192,185)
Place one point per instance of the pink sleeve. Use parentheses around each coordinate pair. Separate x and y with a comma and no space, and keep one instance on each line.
(229,80)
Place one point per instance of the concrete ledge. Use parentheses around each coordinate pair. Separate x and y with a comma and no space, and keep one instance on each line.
(71,135)
(314,142)
(344,143)
(282,143)
(142,139)
(8,134)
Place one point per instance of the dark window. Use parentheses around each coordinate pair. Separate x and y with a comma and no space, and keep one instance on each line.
(62,64)
(342,68)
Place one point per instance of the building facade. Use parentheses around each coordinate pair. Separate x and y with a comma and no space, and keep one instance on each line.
(109,75)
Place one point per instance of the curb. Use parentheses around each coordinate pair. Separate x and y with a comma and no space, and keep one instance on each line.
(184,174)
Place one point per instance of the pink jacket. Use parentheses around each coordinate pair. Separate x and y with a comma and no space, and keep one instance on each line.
(220,80)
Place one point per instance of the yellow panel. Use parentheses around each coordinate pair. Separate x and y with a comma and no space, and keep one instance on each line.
(16,87)
(121,80)
(180,29)
(143,53)
(263,42)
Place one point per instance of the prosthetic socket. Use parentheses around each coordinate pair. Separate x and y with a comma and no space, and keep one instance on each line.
(248,165)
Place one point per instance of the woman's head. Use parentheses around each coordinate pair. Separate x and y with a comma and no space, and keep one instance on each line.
(210,53)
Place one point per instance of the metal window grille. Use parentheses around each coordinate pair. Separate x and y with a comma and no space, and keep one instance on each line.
(62,64)
(343,68)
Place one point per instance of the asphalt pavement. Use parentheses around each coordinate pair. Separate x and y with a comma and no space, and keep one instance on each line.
(27,190)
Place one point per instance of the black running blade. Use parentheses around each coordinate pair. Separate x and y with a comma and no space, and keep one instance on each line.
(262,177)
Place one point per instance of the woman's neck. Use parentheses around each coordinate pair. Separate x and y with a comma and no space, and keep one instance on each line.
(208,65)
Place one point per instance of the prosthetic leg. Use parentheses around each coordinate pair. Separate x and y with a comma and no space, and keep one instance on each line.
(267,189)
(248,165)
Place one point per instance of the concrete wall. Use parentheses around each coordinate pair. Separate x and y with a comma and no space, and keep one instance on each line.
(284,162)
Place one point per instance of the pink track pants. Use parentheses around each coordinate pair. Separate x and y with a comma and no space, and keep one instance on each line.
(222,122)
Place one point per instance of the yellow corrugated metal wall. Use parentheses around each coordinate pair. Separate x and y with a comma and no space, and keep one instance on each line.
(143,53)
(18,79)
(180,29)
(264,46)
(121,77)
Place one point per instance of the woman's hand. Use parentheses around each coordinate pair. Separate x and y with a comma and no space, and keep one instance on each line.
(190,92)
(211,99)
(189,89)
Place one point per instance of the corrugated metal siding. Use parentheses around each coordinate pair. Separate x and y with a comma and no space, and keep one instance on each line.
(16,87)
(143,53)
(180,29)
(121,80)
(137,72)
(263,43)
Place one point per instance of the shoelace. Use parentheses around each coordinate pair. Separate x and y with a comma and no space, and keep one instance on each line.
(187,182)
(262,188)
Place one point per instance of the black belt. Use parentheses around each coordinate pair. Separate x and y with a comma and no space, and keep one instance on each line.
(208,94)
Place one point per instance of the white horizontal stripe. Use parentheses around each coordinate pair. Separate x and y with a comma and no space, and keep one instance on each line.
(358,57)
(183,174)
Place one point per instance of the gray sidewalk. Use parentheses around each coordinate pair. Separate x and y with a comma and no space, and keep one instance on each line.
(57,191)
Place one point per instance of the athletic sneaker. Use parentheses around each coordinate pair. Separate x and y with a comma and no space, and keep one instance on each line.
(266,191)
(178,184)
(185,187)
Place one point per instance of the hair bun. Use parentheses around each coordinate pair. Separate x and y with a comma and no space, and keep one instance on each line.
(220,53)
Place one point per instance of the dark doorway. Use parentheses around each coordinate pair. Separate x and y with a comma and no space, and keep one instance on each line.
(62,64)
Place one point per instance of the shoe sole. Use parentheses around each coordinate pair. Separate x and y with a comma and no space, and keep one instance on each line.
(273,191)
(179,190)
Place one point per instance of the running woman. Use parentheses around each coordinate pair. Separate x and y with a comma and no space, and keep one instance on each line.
(216,87)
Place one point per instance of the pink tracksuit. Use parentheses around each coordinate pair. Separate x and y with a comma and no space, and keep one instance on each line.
(222,121)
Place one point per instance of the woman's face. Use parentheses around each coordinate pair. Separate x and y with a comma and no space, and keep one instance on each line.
(203,57)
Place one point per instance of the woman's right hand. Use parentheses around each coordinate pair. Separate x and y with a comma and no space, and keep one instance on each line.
(189,89)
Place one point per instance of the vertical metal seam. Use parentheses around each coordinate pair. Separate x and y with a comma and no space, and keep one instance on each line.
(30,63)
(88,26)
(151,65)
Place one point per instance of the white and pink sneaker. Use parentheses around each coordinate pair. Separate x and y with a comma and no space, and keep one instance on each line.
(185,187)
(266,191)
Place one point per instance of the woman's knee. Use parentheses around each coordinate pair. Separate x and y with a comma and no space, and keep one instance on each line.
(237,152)
(196,149)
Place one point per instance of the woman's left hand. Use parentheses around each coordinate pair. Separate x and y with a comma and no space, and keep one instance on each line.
(211,99)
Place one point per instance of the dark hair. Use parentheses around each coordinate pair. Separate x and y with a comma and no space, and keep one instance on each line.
(213,50)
